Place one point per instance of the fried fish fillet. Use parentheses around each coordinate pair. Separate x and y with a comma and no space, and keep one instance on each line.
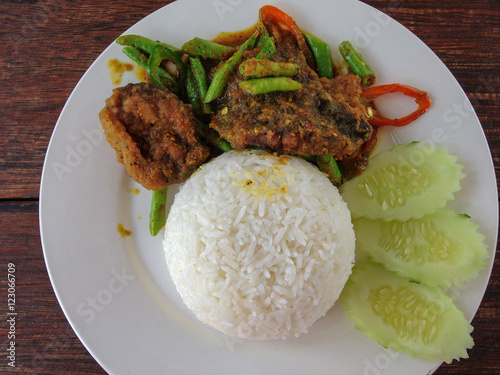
(309,121)
(154,135)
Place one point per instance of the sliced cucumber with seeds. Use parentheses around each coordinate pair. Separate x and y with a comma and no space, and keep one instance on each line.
(406,316)
(441,249)
(406,181)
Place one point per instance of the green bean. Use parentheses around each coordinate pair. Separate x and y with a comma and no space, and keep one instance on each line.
(157,215)
(212,137)
(269,84)
(327,164)
(192,93)
(140,59)
(309,158)
(264,34)
(201,127)
(258,68)
(200,77)
(142,43)
(268,50)
(207,49)
(157,56)
(250,42)
(357,63)
(220,78)
(322,55)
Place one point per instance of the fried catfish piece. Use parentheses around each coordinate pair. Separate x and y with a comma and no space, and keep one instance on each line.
(308,121)
(346,89)
(154,135)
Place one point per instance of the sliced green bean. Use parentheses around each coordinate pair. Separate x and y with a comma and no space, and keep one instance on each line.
(215,139)
(142,43)
(221,76)
(309,158)
(192,93)
(207,49)
(212,137)
(357,63)
(157,215)
(140,59)
(268,50)
(250,42)
(157,56)
(264,34)
(200,77)
(322,55)
(327,164)
(258,68)
(269,84)
(201,127)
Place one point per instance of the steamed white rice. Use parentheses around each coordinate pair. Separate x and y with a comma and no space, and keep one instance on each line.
(259,246)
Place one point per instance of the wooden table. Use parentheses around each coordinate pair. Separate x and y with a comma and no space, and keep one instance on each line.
(45,48)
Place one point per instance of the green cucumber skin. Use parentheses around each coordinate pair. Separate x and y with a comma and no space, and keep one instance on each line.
(406,181)
(408,317)
(441,249)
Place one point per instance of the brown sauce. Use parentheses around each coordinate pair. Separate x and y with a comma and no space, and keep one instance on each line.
(234,38)
(116,70)
(123,232)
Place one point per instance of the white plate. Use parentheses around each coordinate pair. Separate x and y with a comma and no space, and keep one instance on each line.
(116,292)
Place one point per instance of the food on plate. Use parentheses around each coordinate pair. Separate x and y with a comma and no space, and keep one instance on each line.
(322,56)
(258,68)
(305,121)
(260,127)
(396,292)
(404,315)
(421,98)
(272,86)
(259,246)
(157,216)
(357,63)
(154,135)
(441,249)
(407,181)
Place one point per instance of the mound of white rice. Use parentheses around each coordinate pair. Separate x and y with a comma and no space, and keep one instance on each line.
(259,246)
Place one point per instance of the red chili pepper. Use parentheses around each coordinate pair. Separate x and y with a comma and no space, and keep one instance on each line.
(421,98)
(269,13)
(370,142)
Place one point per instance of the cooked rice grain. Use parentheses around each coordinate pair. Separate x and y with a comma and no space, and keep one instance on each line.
(259,246)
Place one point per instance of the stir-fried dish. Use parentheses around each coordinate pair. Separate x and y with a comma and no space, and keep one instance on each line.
(273,87)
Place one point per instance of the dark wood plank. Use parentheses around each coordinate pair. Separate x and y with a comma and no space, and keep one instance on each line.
(44,340)
(47,46)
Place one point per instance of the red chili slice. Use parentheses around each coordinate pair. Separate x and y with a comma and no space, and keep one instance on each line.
(421,98)
(271,14)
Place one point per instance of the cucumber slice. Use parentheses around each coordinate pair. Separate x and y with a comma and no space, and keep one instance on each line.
(406,181)
(441,249)
(406,316)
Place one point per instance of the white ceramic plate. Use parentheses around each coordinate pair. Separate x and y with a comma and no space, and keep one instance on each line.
(116,292)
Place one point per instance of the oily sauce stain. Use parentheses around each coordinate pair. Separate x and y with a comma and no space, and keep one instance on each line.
(123,232)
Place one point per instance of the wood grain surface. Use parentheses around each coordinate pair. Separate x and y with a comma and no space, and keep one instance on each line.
(45,48)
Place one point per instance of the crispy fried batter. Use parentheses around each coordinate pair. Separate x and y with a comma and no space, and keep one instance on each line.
(153,134)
